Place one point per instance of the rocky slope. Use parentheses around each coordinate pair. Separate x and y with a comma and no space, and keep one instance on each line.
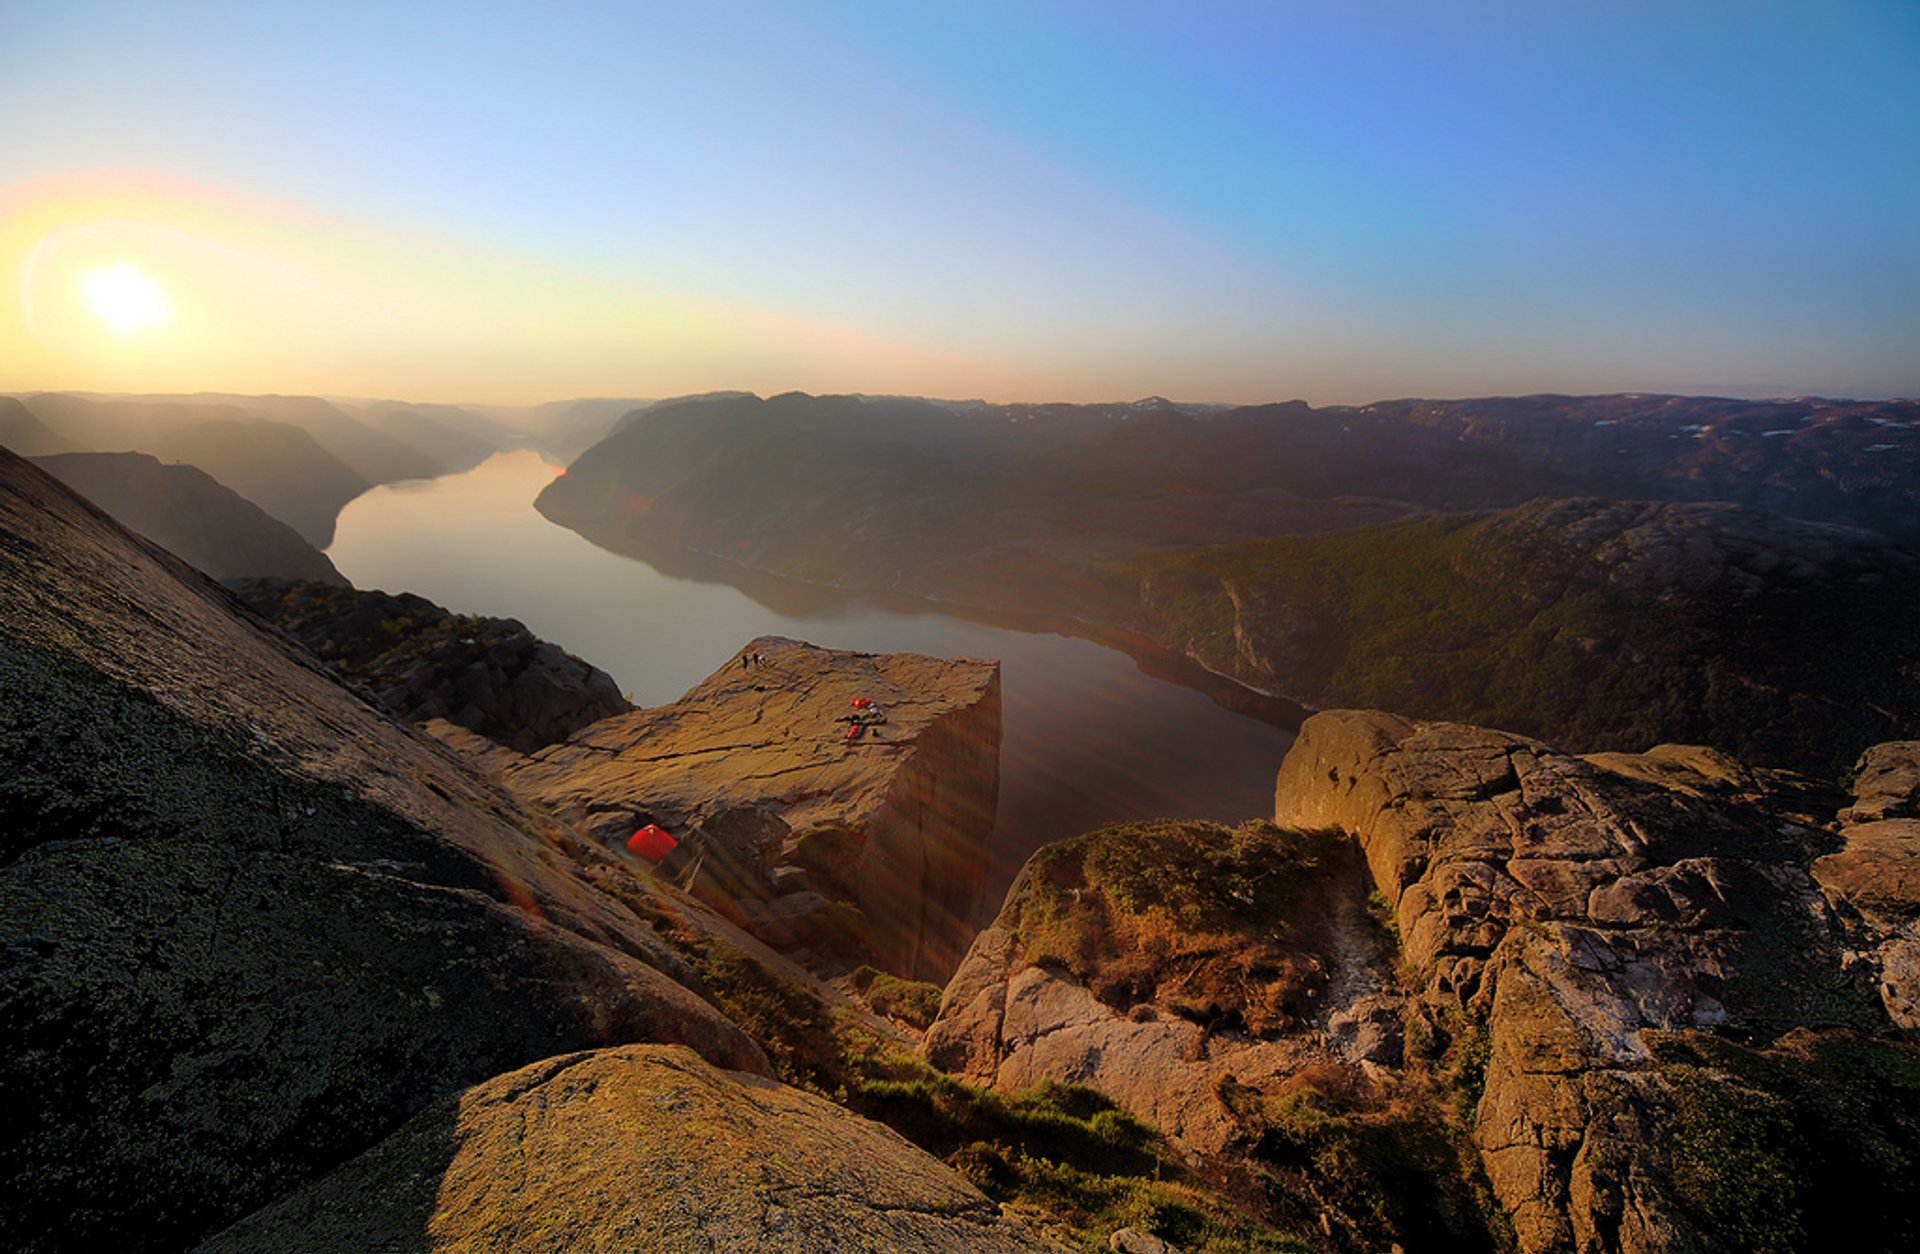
(249,927)
(1632,1002)
(1874,878)
(811,840)
(185,511)
(489,675)
(1645,945)
(1590,623)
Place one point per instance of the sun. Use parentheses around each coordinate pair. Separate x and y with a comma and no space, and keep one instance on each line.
(124,297)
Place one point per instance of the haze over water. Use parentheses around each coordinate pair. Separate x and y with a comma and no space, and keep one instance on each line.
(1088,738)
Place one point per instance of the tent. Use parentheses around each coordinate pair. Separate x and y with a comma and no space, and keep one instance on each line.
(651,842)
(863,703)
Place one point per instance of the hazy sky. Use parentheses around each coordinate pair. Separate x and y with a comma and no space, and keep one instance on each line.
(1344,200)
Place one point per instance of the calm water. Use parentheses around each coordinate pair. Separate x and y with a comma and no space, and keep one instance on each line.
(1090,737)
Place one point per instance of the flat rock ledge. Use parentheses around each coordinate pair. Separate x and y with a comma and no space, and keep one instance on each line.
(867,847)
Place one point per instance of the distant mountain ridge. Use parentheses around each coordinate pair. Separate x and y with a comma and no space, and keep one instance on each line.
(300,458)
(1088,511)
(186,511)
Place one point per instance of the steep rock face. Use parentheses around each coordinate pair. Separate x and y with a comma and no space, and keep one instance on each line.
(1586,913)
(790,823)
(1156,961)
(185,511)
(249,924)
(643,1147)
(489,675)
(1874,880)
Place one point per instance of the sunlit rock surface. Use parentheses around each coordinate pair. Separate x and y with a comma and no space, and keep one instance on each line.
(1874,880)
(1588,912)
(809,838)
(1154,960)
(638,1148)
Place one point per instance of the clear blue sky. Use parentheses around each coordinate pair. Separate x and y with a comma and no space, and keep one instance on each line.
(1342,201)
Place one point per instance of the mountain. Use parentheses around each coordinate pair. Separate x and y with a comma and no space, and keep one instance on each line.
(27,436)
(188,513)
(279,467)
(1743,601)
(1588,622)
(374,456)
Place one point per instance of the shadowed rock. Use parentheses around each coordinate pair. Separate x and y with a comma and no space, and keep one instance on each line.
(249,923)
(489,675)
(185,511)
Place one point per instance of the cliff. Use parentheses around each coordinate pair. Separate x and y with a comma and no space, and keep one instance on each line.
(187,512)
(422,662)
(810,839)
(250,925)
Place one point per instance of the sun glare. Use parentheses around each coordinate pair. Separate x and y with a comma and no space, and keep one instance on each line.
(124,297)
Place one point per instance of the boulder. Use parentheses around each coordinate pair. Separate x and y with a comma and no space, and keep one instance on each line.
(642,1147)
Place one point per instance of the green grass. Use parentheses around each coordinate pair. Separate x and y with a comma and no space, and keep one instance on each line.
(910,1001)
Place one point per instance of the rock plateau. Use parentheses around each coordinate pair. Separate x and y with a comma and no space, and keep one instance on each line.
(809,838)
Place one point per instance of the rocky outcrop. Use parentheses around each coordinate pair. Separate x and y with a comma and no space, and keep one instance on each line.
(1874,879)
(808,838)
(185,511)
(599,1151)
(422,662)
(1585,913)
(249,925)
(1157,961)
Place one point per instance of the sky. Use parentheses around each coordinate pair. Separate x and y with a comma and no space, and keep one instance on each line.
(1341,202)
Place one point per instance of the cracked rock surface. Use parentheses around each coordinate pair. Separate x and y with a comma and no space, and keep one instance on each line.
(591,1151)
(1583,910)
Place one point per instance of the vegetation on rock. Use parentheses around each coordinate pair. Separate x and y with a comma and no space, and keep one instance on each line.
(1595,626)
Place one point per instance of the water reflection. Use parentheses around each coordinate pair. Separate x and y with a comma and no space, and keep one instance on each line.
(1091,736)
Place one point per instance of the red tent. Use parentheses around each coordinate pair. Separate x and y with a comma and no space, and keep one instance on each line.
(651,842)
(863,703)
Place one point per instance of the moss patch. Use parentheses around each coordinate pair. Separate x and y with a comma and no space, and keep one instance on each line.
(1227,926)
